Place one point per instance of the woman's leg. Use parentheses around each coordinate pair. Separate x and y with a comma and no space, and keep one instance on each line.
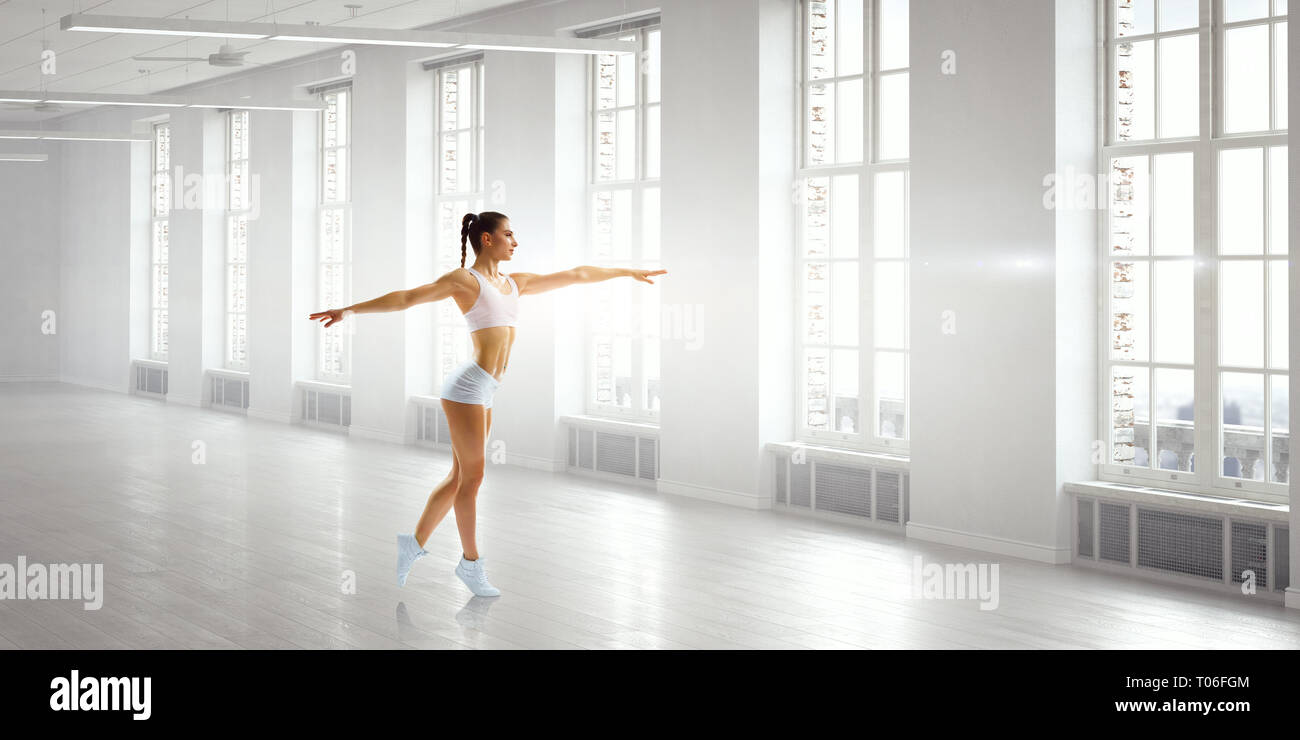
(466,511)
(468,426)
(436,507)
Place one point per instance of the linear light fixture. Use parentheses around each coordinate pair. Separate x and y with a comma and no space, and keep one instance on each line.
(71,136)
(344,35)
(156,101)
(24,157)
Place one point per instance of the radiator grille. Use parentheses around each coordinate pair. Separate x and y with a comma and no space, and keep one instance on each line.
(586,449)
(648,454)
(151,380)
(229,392)
(1250,552)
(1180,543)
(433,425)
(800,484)
(615,453)
(1281,558)
(888,495)
(781,464)
(1085,527)
(844,490)
(1113,528)
(334,409)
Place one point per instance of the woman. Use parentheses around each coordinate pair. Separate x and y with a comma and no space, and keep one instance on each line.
(490,301)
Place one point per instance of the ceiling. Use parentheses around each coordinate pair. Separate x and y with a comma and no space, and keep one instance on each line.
(101,62)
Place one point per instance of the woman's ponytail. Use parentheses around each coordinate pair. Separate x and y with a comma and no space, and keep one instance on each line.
(466,225)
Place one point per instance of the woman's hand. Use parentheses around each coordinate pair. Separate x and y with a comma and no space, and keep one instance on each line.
(644,275)
(330,317)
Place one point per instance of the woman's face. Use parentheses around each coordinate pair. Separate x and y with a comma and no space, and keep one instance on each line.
(500,244)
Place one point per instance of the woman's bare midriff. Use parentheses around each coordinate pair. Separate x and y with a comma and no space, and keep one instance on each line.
(492,348)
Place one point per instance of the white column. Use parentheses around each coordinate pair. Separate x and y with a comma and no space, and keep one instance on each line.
(1293,114)
(1003,407)
(728,157)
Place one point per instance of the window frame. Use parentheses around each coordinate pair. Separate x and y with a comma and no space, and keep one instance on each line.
(867,437)
(345,209)
(234,215)
(637,187)
(159,324)
(449,324)
(1206,149)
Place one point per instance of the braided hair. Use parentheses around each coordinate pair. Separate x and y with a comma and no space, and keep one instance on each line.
(472,228)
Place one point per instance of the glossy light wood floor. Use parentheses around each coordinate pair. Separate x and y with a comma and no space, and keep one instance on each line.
(252,548)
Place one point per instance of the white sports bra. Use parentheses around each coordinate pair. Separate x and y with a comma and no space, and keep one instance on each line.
(492,307)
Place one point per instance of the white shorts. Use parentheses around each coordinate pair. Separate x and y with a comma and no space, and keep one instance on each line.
(470,383)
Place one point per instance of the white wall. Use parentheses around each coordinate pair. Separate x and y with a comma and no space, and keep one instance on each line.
(29,249)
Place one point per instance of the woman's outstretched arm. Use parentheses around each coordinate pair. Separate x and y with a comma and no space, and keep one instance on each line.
(531,284)
(399,300)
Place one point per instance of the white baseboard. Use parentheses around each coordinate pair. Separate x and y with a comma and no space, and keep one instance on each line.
(284,417)
(123,387)
(990,544)
(29,378)
(719,495)
(382,435)
(530,462)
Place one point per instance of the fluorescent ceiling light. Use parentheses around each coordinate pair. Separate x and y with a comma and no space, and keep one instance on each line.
(159,101)
(160,26)
(53,135)
(345,35)
(24,157)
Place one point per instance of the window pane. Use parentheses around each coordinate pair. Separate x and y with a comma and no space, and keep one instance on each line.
(626,143)
(1129,399)
(1241,201)
(1174,222)
(652,141)
(1130,312)
(1277,200)
(653,386)
(652,67)
(1281,456)
(1278,315)
(1243,426)
(1134,17)
(606,81)
(237,239)
(1129,210)
(890,375)
(1179,86)
(893,34)
(650,224)
(848,37)
(893,116)
(1246,79)
(1135,90)
(1240,10)
(1175,311)
(606,165)
(623,372)
(890,214)
(612,213)
(889,305)
(845,299)
(627,65)
(844,216)
(848,125)
(1175,437)
(1279,75)
(845,377)
(815,380)
(1176,14)
(816,221)
(816,308)
(821,42)
(821,124)
(1241,311)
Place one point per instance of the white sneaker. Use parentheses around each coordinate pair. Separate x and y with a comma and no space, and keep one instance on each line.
(471,572)
(408,551)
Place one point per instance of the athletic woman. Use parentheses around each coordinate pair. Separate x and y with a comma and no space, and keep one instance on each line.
(490,301)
